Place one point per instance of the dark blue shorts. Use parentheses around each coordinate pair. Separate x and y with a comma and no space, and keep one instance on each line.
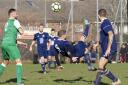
(52,51)
(79,54)
(110,57)
(42,51)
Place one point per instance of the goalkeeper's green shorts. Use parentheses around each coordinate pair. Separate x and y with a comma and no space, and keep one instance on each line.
(10,52)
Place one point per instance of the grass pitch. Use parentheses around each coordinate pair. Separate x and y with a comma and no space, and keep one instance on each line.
(72,74)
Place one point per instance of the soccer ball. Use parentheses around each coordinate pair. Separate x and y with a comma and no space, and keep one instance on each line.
(56,7)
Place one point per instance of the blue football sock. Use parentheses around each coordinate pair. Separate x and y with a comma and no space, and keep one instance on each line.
(57,60)
(43,66)
(98,77)
(110,75)
(88,61)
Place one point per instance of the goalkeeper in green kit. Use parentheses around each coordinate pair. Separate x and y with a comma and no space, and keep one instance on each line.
(9,47)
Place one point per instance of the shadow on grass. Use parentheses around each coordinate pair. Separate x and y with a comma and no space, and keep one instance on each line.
(39,72)
(102,83)
(76,80)
(42,71)
(72,81)
(126,76)
(12,80)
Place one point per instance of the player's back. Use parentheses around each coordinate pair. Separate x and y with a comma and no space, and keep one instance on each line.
(10,32)
(60,44)
(65,47)
(80,48)
(105,28)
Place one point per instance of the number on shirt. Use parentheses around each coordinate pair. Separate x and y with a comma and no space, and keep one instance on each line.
(41,40)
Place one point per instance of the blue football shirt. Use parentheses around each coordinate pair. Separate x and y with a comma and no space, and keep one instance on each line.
(106,26)
(41,38)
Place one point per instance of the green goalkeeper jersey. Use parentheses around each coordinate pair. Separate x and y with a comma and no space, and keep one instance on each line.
(10,31)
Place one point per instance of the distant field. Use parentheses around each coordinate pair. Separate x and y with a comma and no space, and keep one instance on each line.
(73,74)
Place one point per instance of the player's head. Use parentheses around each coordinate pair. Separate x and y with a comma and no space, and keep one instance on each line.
(62,33)
(102,13)
(53,32)
(12,13)
(41,27)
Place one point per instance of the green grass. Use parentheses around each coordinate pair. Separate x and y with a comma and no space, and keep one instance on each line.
(73,74)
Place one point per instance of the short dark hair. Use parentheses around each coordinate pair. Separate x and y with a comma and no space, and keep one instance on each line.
(11,10)
(52,29)
(61,32)
(102,12)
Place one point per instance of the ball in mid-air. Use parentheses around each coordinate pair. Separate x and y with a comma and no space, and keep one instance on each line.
(56,7)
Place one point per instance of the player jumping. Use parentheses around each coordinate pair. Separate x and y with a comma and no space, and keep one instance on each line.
(74,52)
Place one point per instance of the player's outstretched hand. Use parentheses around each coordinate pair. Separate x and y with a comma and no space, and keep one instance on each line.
(74,59)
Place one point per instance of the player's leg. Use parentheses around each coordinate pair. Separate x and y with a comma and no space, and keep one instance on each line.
(43,64)
(53,61)
(110,75)
(57,60)
(49,61)
(5,62)
(53,52)
(6,57)
(51,58)
(59,66)
(103,71)
(42,51)
(87,60)
(15,56)
(44,60)
(3,66)
(19,71)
